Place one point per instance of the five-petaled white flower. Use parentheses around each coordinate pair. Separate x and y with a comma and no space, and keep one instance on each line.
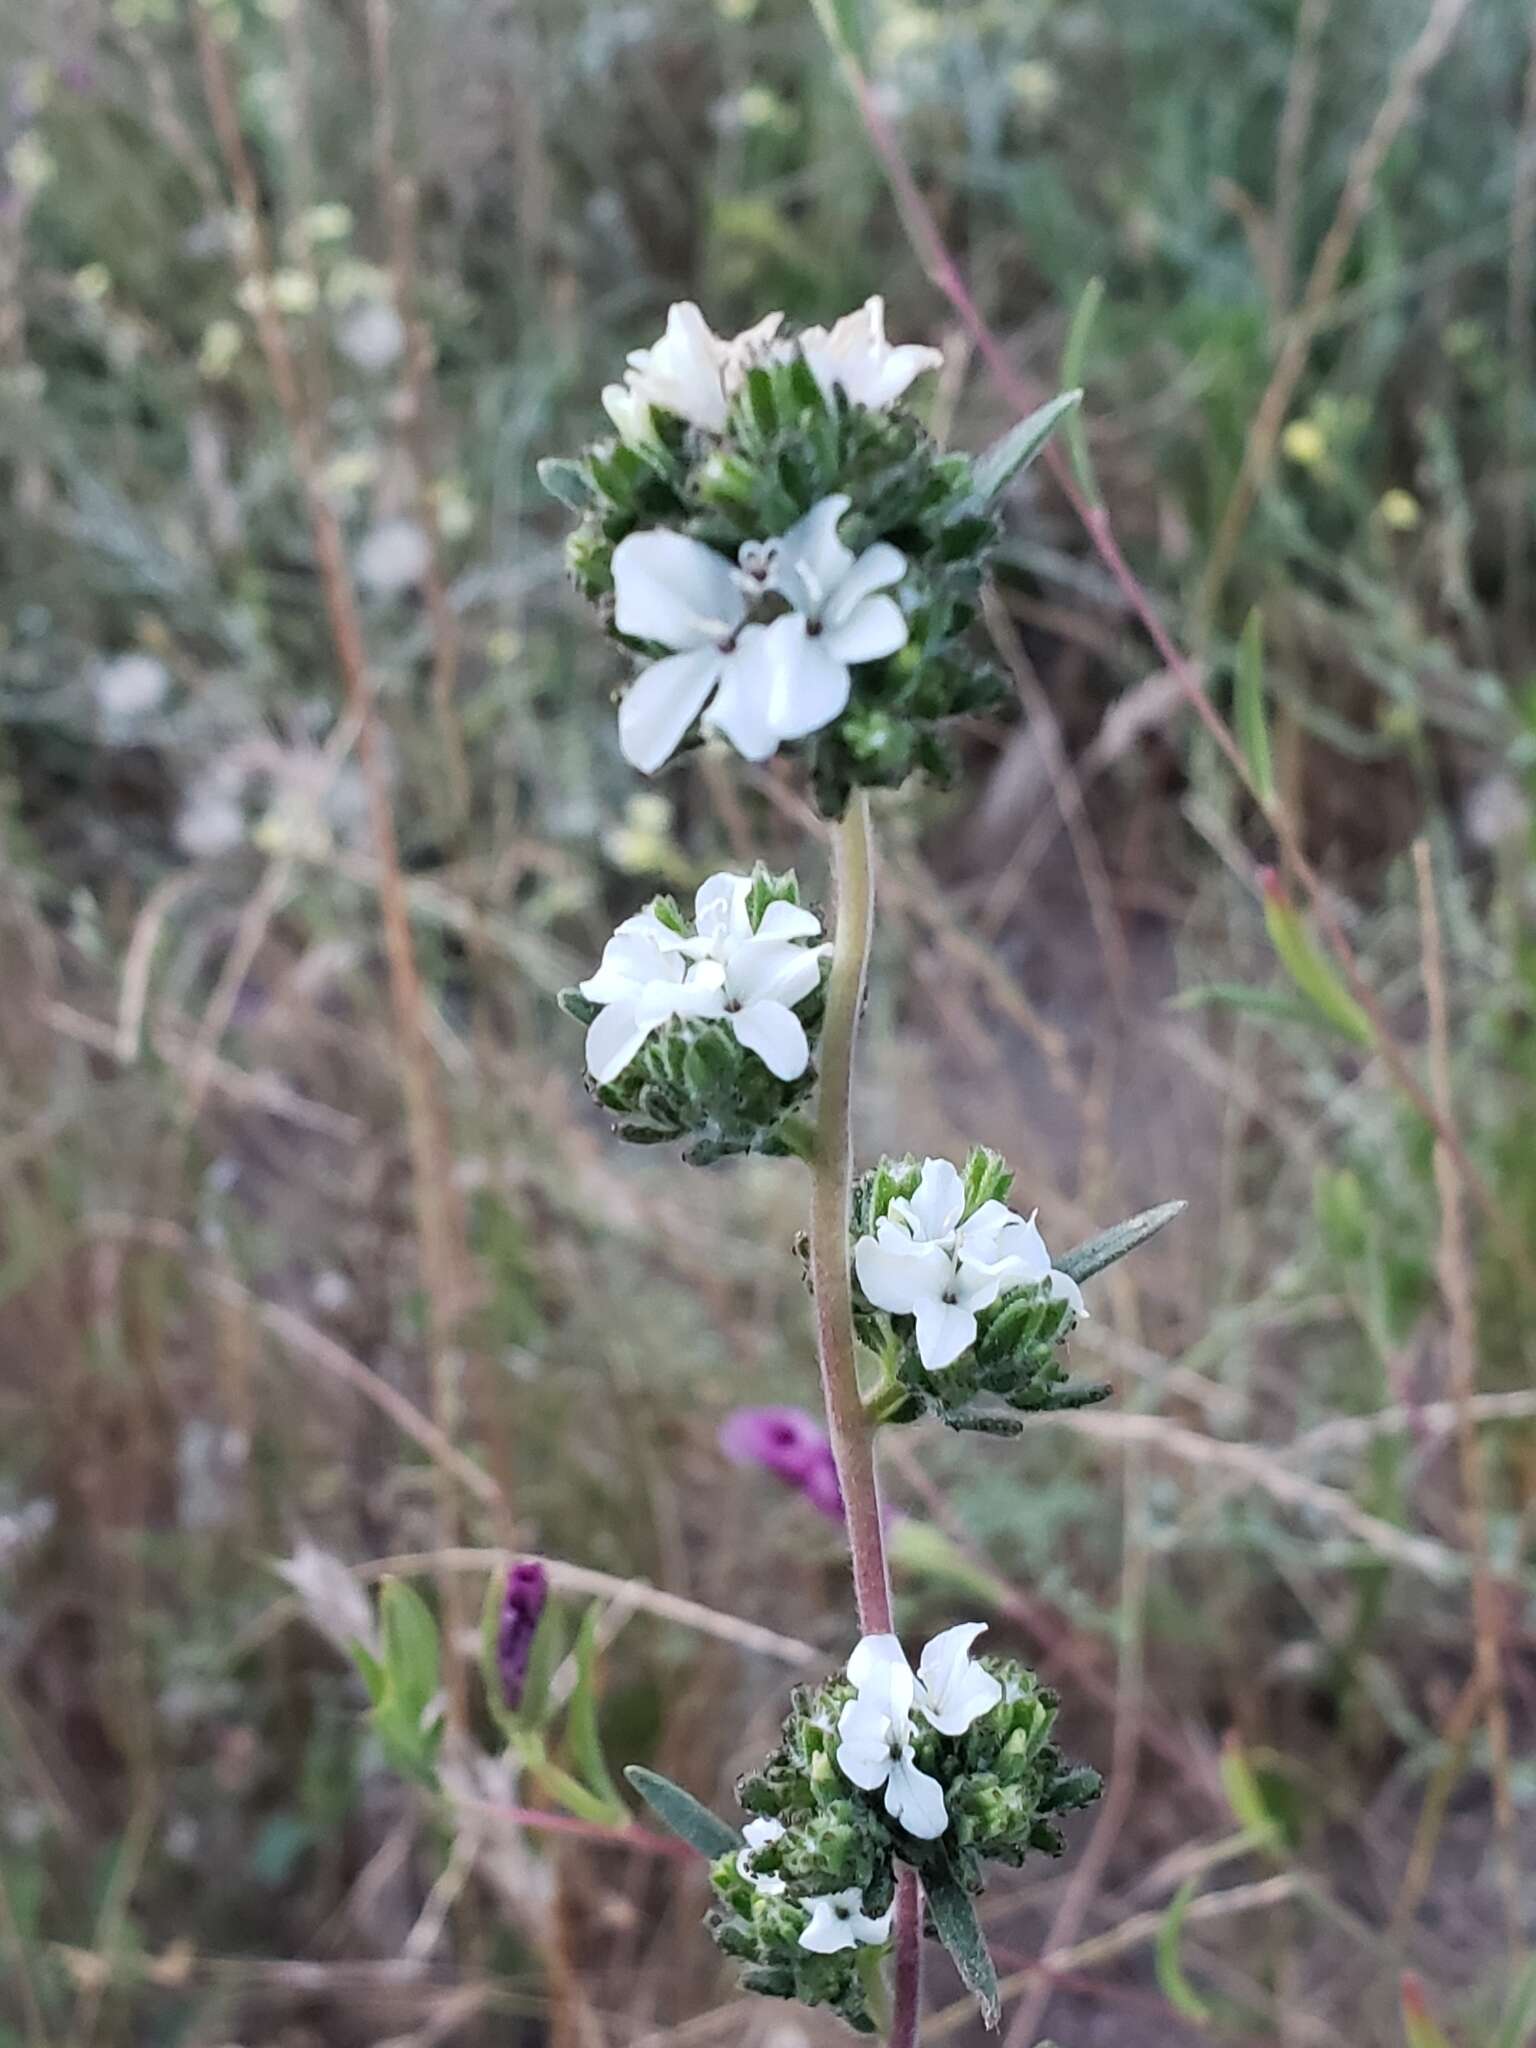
(875,1734)
(691,371)
(924,1261)
(838,1921)
(756,684)
(856,358)
(753,979)
(759,1834)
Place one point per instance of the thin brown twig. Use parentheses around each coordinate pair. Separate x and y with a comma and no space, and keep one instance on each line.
(397,200)
(1392,116)
(1455,1271)
(446,1267)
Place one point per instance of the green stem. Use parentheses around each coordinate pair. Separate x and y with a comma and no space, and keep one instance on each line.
(851,1430)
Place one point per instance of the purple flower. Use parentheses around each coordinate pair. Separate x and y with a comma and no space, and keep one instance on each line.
(792,1446)
(522,1607)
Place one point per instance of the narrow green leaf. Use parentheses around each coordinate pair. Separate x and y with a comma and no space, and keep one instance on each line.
(1273,1005)
(682,1813)
(842,23)
(581,1724)
(1245,1795)
(1072,359)
(566,481)
(1252,724)
(1518,2024)
(955,1923)
(1307,967)
(994,470)
(412,1658)
(1084,1260)
(544,1661)
(1175,1986)
(375,1677)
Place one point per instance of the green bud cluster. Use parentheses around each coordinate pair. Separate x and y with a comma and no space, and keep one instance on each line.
(1016,1359)
(785,447)
(1005,1784)
(692,1083)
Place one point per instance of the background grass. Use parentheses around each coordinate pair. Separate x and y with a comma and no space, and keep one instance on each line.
(1251,1575)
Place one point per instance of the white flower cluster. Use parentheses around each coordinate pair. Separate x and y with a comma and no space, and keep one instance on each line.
(651,974)
(756,684)
(837,1919)
(695,373)
(924,1261)
(875,1729)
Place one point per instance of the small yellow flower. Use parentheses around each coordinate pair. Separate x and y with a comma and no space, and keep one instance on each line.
(221,344)
(352,279)
(29,166)
(503,647)
(1305,444)
(1036,86)
(293,292)
(1400,510)
(455,512)
(351,472)
(92,283)
(643,843)
(331,221)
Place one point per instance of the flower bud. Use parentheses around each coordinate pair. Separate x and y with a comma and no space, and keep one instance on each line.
(522,1609)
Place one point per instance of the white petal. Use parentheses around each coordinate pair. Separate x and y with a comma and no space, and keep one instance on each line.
(682,371)
(879,1668)
(757,1834)
(872,630)
(630,959)
(945,1331)
(938,1199)
(613,1038)
(864,1744)
(771,970)
(954,1691)
(915,1800)
(1065,1288)
(1020,1243)
(831,1927)
(809,562)
(901,1281)
(977,1286)
(809,685)
(776,1035)
(674,590)
(720,906)
(659,1001)
(662,702)
(873,1933)
(783,920)
(740,710)
(877,568)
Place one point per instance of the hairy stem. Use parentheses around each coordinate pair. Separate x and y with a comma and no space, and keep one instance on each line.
(852,1432)
(853,1443)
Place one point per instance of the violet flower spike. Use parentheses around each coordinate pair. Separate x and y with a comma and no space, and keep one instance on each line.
(790,1444)
(522,1609)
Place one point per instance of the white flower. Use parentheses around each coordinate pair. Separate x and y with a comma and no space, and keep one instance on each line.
(923,1261)
(838,619)
(758,685)
(838,1921)
(629,410)
(371,335)
(856,358)
(394,556)
(691,371)
(758,1835)
(641,987)
(131,687)
(651,974)
(875,1739)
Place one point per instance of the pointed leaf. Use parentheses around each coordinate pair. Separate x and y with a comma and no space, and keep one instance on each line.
(1252,726)
(1072,356)
(1084,1260)
(682,1813)
(1518,2024)
(955,1923)
(412,1658)
(544,1661)
(1173,1983)
(1271,1004)
(1307,967)
(581,1725)
(993,471)
(566,481)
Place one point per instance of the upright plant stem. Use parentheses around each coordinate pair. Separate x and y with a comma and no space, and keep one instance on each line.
(853,1444)
(853,1437)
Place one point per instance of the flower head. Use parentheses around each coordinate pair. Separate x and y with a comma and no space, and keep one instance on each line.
(522,1609)
(791,1445)
(856,359)
(927,1259)
(691,371)
(756,684)
(838,1921)
(875,1729)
